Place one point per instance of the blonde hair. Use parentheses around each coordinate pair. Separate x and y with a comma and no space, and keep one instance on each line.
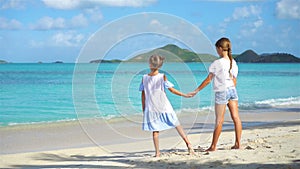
(156,61)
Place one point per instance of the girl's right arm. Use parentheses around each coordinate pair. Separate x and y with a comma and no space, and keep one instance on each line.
(203,84)
(174,91)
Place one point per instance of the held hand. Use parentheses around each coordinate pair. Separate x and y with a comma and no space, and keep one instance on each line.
(192,94)
(187,95)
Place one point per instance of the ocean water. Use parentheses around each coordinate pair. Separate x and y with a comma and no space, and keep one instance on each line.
(45,93)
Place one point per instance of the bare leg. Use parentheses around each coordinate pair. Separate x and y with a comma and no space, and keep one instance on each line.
(220,111)
(234,112)
(155,135)
(185,139)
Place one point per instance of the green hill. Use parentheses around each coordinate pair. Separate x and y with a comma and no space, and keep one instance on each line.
(279,58)
(247,57)
(173,53)
(250,56)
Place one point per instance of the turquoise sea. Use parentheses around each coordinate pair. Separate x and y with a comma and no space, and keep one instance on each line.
(46,93)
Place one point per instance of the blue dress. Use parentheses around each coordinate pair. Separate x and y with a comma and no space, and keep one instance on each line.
(158,114)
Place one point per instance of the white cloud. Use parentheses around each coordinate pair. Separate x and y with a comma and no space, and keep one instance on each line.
(75,4)
(49,23)
(245,12)
(128,3)
(12,4)
(284,41)
(94,14)
(60,39)
(79,21)
(247,17)
(288,9)
(69,39)
(233,0)
(158,25)
(250,29)
(258,23)
(65,4)
(10,24)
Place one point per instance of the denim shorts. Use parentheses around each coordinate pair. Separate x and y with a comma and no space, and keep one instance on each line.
(223,97)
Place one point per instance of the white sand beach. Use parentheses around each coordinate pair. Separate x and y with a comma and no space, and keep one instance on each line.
(271,142)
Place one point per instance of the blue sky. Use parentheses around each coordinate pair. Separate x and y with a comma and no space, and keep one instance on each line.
(51,30)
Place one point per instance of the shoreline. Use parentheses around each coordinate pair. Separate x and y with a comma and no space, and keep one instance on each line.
(287,104)
(103,132)
(184,112)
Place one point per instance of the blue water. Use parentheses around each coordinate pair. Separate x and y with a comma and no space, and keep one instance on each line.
(43,93)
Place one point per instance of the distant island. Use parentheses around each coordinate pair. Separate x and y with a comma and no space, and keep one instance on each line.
(58,62)
(249,56)
(3,61)
(39,62)
(173,53)
(106,61)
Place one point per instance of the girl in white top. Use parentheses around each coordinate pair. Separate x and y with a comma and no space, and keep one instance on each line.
(224,72)
(158,112)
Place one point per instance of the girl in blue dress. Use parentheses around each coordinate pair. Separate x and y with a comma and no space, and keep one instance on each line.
(158,112)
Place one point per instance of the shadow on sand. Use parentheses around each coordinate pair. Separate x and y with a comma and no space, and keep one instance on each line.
(124,161)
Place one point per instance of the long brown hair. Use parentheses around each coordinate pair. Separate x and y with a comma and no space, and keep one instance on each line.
(225,44)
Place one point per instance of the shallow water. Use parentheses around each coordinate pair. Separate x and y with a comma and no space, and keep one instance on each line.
(43,93)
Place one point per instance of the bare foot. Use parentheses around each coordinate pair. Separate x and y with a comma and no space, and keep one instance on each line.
(235,147)
(211,149)
(157,155)
(190,149)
